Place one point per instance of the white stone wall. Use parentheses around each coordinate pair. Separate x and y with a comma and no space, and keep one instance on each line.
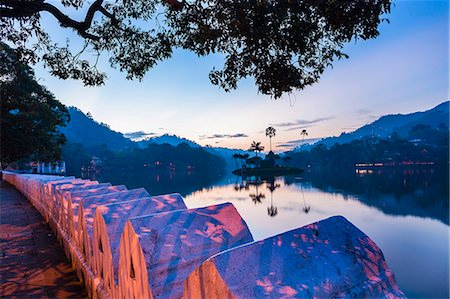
(127,243)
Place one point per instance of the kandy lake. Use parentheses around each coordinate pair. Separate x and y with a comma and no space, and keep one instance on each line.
(404,210)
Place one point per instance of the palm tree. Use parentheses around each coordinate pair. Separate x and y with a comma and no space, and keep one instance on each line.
(272,211)
(303,133)
(257,196)
(305,207)
(270,131)
(256,147)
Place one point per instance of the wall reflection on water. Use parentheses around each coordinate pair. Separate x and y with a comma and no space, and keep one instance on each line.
(405,211)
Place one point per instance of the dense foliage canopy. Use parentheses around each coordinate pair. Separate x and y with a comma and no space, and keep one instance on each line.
(30,115)
(284,45)
(155,157)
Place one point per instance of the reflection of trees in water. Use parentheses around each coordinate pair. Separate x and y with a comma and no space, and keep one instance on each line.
(257,196)
(272,211)
(162,182)
(419,191)
(416,191)
(289,180)
(241,184)
(306,208)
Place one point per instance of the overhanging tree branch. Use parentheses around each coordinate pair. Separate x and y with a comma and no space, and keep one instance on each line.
(80,27)
(285,45)
(17,9)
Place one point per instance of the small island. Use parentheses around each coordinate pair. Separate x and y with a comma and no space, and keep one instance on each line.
(257,166)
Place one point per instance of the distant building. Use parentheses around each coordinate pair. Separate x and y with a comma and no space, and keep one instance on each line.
(55,167)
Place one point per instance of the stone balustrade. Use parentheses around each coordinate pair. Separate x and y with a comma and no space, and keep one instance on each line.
(129,244)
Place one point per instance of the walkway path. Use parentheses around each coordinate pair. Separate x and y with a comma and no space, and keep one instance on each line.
(32,264)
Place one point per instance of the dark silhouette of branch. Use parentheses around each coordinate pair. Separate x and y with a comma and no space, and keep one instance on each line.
(284,45)
(17,9)
(175,5)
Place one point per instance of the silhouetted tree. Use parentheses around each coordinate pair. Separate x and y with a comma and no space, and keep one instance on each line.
(272,211)
(303,133)
(305,208)
(240,159)
(257,196)
(256,147)
(284,45)
(30,114)
(269,160)
(270,132)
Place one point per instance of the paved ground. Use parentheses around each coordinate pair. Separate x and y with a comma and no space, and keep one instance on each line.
(32,264)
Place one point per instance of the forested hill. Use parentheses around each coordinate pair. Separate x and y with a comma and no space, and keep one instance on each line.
(386,125)
(94,147)
(84,130)
(167,139)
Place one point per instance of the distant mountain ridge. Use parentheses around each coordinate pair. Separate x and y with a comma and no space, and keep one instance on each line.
(86,131)
(386,125)
(173,140)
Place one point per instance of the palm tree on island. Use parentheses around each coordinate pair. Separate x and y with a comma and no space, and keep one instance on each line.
(270,132)
(256,147)
(265,166)
(303,133)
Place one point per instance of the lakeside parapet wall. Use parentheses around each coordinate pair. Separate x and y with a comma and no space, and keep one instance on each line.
(109,223)
(165,251)
(327,259)
(73,201)
(168,246)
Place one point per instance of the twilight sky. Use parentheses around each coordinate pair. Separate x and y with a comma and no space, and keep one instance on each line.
(404,70)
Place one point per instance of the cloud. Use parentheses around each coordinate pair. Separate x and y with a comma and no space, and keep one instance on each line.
(363,111)
(302,122)
(139,135)
(220,136)
(297,128)
(294,143)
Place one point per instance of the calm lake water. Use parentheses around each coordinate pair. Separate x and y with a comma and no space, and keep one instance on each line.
(405,211)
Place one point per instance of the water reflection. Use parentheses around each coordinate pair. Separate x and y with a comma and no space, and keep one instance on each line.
(405,211)
(257,196)
(422,192)
(272,211)
(158,182)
